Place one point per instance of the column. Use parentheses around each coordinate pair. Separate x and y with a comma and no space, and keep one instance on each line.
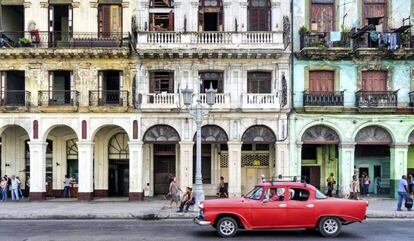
(185,173)
(234,166)
(277,16)
(136,162)
(37,170)
(346,168)
(398,165)
(85,157)
(281,159)
(296,169)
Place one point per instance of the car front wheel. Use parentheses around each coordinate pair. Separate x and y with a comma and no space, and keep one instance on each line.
(330,226)
(226,227)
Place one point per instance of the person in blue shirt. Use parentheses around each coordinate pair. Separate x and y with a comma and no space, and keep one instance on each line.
(402,192)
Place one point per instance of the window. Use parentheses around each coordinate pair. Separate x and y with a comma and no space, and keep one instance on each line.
(109,19)
(259,82)
(210,15)
(374,80)
(162,21)
(214,79)
(321,81)
(161,82)
(259,15)
(322,15)
(276,194)
(375,8)
(298,194)
(255,194)
(320,195)
(309,152)
(161,3)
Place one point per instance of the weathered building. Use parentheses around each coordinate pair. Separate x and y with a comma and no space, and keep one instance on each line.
(353,73)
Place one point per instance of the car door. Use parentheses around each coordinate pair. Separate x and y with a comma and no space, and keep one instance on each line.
(268,213)
(301,208)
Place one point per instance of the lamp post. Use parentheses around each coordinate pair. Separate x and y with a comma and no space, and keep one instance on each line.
(198,111)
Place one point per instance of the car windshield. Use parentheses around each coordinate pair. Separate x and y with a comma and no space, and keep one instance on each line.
(320,195)
(255,194)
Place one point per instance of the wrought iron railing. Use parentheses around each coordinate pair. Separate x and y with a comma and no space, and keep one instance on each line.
(58,98)
(15,98)
(324,40)
(323,98)
(376,98)
(45,39)
(108,98)
(383,40)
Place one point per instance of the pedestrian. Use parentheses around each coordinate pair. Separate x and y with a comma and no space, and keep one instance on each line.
(331,182)
(403,193)
(66,186)
(187,200)
(262,178)
(15,188)
(9,184)
(366,184)
(354,188)
(27,185)
(174,191)
(295,179)
(3,187)
(222,190)
(19,188)
(411,185)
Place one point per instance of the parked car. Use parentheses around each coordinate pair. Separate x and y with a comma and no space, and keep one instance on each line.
(281,205)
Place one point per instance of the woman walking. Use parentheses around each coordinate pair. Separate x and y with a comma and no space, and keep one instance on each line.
(174,191)
(366,185)
(3,187)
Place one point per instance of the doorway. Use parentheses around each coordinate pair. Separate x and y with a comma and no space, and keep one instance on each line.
(60,24)
(118,182)
(110,85)
(211,21)
(164,167)
(312,175)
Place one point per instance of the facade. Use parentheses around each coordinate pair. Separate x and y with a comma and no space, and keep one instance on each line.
(92,89)
(353,77)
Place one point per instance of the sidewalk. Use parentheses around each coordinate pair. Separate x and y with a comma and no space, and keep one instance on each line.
(146,210)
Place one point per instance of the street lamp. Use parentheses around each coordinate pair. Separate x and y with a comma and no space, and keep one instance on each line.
(198,111)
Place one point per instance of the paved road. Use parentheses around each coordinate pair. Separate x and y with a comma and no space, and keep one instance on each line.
(44,230)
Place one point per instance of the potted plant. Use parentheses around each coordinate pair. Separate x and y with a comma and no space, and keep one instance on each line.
(24,42)
(303,31)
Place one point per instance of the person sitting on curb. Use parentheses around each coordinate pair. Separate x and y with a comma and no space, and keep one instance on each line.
(187,200)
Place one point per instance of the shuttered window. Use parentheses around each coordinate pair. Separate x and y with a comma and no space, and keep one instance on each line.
(374,80)
(259,15)
(109,19)
(321,81)
(323,14)
(259,82)
(375,8)
(211,78)
(161,82)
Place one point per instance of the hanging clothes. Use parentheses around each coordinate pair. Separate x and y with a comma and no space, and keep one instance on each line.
(374,36)
(335,36)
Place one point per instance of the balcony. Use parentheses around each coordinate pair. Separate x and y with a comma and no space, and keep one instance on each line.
(265,102)
(317,99)
(15,98)
(323,40)
(221,101)
(157,101)
(148,43)
(44,39)
(385,100)
(108,98)
(58,98)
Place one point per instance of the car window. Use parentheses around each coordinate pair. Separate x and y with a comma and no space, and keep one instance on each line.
(320,195)
(299,194)
(276,194)
(255,194)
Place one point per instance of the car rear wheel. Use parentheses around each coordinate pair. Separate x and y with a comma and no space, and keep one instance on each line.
(330,226)
(226,227)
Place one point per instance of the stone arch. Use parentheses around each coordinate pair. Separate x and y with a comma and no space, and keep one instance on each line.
(161,133)
(99,128)
(326,124)
(373,135)
(259,134)
(320,134)
(411,137)
(50,129)
(27,129)
(212,134)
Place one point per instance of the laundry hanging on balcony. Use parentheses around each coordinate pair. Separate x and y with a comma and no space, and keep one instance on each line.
(335,36)
(391,41)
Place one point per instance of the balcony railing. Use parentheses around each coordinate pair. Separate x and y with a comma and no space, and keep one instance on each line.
(261,101)
(58,98)
(323,98)
(15,98)
(162,99)
(209,38)
(376,99)
(323,40)
(220,100)
(384,40)
(118,98)
(44,39)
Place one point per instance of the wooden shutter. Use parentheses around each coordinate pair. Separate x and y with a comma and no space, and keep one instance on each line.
(321,81)
(259,82)
(171,21)
(171,83)
(259,15)
(375,8)
(323,15)
(152,82)
(104,13)
(374,80)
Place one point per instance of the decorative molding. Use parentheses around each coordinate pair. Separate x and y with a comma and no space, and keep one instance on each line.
(44,4)
(94,4)
(27,4)
(125,4)
(320,134)
(76,4)
(400,145)
(373,135)
(259,134)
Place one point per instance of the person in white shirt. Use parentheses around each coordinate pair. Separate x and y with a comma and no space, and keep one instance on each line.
(15,188)
(66,186)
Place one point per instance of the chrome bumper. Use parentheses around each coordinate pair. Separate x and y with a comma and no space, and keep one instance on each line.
(201,222)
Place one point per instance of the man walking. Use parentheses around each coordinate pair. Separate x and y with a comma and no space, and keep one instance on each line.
(15,188)
(402,192)
(66,186)
(331,182)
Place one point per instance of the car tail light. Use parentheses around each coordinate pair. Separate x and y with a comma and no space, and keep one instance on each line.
(367,203)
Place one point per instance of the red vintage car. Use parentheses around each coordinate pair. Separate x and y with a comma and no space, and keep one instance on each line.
(281,205)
